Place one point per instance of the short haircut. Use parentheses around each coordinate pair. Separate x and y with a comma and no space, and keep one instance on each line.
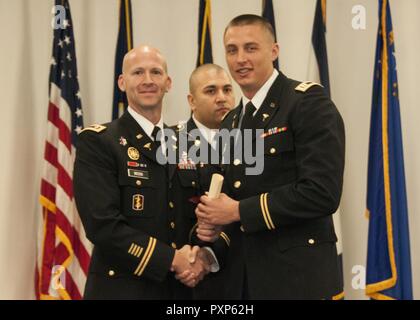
(251,19)
(202,68)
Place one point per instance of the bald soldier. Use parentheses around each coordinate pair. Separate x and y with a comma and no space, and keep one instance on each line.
(210,98)
(121,193)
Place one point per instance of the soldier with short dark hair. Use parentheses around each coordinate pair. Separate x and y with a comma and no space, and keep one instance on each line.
(283,243)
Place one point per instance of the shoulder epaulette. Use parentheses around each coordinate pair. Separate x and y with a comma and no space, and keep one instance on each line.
(226,114)
(304,86)
(94,127)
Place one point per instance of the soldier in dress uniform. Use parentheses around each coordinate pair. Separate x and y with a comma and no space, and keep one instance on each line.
(122,195)
(280,221)
(211,97)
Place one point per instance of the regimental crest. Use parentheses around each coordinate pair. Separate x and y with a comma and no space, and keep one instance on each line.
(138,202)
(123,141)
(133,153)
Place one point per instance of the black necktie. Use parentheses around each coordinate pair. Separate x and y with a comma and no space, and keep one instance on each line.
(157,142)
(248,117)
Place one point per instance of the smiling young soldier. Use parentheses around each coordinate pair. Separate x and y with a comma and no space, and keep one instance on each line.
(279,222)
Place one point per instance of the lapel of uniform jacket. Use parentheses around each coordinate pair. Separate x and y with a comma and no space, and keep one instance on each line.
(138,137)
(270,106)
(236,117)
(175,144)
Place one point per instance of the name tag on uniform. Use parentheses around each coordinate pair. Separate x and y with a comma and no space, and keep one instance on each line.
(139,174)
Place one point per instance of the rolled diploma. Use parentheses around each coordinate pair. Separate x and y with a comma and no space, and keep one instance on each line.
(215,186)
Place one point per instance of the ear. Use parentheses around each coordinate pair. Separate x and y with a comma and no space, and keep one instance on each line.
(121,83)
(275,51)
(191,102)
(168,84)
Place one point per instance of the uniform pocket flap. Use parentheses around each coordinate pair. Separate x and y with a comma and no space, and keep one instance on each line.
(277,143)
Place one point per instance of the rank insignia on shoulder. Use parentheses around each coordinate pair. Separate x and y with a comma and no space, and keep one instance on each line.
(304,86)
(133,153)
(273,131)
(138,202)
(123,141)
(148,146)
(95,128)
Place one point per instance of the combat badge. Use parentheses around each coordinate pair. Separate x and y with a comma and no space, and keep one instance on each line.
(133,153)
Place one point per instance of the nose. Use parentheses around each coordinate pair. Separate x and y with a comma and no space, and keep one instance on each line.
(241,57)
(221,96)
(147,79)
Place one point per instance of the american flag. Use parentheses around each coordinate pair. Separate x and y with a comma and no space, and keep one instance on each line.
(63,251)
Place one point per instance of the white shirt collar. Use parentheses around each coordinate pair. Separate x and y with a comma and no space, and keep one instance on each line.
(146,124)
(259,97)
(207,133)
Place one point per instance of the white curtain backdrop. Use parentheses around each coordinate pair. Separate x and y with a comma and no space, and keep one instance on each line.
(171,25)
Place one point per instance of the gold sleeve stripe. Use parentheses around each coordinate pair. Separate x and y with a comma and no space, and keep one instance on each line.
(339,296)
(144,256)
(225,237)
(268,212)
(148,257)
(136,252)
(131,248)
(142,261)
(263,211)
(139,253)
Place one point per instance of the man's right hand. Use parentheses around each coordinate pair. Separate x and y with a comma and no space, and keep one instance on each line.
(189,268)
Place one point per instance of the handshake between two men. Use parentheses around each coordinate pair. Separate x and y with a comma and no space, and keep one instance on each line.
(191,264)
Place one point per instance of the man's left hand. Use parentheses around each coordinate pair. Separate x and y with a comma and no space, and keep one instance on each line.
(221,211)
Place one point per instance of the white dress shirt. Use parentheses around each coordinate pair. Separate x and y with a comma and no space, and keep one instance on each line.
(261,94)
(148,126)
(207,133)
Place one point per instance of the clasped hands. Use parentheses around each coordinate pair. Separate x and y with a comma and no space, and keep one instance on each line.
(191,264)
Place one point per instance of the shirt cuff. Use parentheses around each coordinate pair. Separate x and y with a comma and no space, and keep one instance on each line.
(214,267)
